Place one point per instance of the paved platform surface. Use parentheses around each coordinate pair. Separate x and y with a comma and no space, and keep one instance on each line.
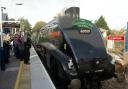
(21,76)
(39,76)
(8,77)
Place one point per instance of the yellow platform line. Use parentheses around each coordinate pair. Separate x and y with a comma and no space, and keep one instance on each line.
(18,76)
(29,81)
(25,77)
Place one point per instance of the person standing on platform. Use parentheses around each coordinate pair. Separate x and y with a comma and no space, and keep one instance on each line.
(17,43)
(27,46)
(6,45)
(21,46)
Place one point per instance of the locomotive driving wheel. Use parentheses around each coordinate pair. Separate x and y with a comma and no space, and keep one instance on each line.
(93,85)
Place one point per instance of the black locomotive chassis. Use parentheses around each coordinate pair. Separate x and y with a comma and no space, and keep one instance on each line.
(60,64)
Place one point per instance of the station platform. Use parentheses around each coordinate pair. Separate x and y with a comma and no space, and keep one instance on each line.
(18,75)
(8,77)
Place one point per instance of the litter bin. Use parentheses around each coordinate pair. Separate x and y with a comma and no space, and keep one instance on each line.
(2,58)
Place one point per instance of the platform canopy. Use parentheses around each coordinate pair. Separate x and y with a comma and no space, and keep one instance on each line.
(11,25)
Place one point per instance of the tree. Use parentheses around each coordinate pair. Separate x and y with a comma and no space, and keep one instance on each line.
(25,25)
(101,23)
(38,26)
(118,32)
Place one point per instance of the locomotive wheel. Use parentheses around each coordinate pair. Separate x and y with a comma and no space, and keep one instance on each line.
(93,85)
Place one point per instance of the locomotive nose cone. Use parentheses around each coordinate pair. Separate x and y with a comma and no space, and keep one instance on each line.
(75,84)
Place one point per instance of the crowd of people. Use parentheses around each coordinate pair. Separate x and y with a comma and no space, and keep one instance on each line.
(19,44)
(22,45)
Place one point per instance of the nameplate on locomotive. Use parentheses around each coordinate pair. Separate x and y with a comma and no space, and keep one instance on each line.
(85,31)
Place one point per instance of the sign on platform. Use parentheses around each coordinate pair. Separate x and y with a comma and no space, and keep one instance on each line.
(115,37)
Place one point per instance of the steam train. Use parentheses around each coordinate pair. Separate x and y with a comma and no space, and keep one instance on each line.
(73,49)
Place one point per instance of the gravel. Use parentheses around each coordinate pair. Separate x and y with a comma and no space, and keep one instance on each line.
(114,84)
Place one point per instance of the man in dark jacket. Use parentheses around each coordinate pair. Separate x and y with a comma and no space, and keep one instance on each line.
(27,46)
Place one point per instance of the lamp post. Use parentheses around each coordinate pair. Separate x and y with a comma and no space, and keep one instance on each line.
(1,13)
(18,4)
(126,40)
(2,55)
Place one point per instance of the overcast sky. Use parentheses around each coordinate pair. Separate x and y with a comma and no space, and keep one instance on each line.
(114,11)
